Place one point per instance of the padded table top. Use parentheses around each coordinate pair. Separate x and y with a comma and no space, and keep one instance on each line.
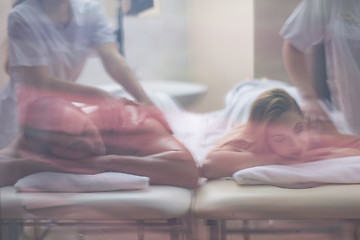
(225,199)
(154,202)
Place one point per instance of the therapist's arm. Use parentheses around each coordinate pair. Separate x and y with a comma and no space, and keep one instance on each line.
(298,70)
(119,70)
(40,81)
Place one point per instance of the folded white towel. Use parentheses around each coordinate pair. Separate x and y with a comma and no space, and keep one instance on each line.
(333,171)
(66,182)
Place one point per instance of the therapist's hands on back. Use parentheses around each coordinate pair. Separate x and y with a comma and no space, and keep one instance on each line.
(119,70)
(155,113)
(313,111)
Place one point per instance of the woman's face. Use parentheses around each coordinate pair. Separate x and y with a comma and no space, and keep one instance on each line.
(287,136)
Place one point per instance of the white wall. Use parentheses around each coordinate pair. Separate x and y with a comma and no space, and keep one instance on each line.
(269,17)
(204,41)
(156,46)
(220,46)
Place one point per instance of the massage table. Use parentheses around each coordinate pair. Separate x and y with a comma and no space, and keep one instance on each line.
(221,200)
(217,201)
(155,206)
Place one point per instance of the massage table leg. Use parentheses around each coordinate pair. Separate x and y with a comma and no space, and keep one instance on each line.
(10,230)
(355,230)
(246,230)
(189,224)
(214,229)
(174,229)
(350,230)
(140,229)
(223,230)
(39,235)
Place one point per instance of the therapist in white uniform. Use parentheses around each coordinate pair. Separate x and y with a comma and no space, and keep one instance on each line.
(49,41)
(336,24)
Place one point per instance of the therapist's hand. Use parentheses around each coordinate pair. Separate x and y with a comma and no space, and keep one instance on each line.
(110,114)
(150,110)
(312,110)
(316,117)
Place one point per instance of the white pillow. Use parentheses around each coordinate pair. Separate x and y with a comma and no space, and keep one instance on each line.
(332,171)
(66,182)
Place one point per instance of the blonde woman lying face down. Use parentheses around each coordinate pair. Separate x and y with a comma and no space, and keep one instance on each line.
(276,133)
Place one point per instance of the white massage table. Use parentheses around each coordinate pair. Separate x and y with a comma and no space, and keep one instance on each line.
(219,200)
(223,200)
(160,206)
(216,201)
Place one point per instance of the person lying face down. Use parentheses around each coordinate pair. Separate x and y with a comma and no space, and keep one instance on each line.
(276,133)
(57,128)
(58,136)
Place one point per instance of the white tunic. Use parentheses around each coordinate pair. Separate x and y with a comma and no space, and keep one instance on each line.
(336,23)
(36,40)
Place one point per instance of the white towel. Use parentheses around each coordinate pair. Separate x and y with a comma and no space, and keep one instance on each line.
(333,171)
(66,182)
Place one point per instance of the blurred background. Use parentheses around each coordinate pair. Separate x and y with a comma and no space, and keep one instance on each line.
(210,45)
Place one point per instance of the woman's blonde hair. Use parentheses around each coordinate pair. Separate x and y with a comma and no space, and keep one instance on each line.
(268,107)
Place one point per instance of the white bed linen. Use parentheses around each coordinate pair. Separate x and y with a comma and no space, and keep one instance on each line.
(332,171)
(66,182)
(200,132)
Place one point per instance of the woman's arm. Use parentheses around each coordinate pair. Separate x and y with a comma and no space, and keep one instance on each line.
(174,168)
(10,166)
(225,161)
(16,162)
(150,151)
